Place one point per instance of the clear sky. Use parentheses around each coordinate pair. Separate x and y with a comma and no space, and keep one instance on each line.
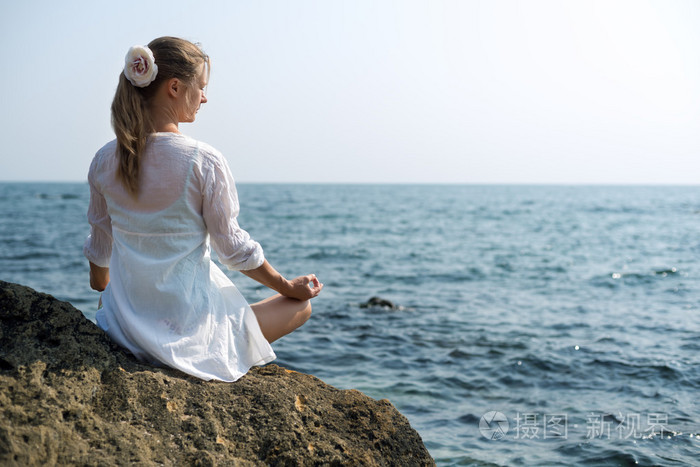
(431,91)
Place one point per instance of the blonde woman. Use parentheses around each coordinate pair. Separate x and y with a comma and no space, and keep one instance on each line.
(158,200)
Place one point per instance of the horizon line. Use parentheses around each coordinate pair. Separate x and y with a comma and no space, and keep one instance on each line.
(425,183)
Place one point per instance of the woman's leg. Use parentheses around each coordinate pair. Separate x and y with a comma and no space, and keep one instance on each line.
(278,315)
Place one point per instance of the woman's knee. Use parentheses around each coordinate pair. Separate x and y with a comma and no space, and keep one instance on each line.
(305,313)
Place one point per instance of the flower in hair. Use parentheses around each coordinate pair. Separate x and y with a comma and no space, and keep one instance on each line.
(140,67)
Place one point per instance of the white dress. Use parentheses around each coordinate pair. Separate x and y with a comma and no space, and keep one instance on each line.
(167,302)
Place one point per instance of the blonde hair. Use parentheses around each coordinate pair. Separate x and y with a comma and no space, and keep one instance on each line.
(131,120)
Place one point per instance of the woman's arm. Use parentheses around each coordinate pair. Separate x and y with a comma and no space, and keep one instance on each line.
(98,245)
(99,277)
(300,288)
(233,245)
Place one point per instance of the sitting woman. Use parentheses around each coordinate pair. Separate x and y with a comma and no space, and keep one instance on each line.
(158,199)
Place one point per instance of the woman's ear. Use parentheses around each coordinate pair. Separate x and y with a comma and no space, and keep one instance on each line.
(174,87)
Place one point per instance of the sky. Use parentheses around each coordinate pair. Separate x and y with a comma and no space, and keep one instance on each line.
(375,91)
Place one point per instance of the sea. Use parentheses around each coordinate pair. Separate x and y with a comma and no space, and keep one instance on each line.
(529,325)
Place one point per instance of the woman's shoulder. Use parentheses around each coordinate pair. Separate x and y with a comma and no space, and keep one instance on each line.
(187,145)
(209,164)
(108,148)
(209,156)
(105,152)
(209,152)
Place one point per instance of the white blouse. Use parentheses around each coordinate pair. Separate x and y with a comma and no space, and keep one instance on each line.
(166,301)
(164,169)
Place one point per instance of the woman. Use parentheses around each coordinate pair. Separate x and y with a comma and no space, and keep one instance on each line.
(157,201)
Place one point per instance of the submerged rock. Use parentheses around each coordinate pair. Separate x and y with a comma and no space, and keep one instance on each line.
(68,395)
(378,302)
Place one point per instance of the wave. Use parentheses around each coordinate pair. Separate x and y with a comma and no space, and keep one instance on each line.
(617,279)
(30,256)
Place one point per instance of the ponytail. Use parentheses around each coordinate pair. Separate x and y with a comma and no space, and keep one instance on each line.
(131,124)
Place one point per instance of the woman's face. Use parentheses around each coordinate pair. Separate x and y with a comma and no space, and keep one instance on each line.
(194,97)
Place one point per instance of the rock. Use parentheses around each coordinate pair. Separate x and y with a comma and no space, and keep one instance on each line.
(378,302)
(68,395)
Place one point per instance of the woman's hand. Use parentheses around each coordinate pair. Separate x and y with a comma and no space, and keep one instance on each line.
(303,287)
(99,277)
(300,288)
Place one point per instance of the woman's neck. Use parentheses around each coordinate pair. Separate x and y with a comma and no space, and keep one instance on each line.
(164,124)
(163,115)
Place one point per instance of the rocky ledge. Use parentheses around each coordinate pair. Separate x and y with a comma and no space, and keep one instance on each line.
(68,395)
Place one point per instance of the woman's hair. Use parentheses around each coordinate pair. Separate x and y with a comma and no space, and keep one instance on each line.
(131,120)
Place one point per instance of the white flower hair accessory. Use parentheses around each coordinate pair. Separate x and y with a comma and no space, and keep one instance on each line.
(140,66)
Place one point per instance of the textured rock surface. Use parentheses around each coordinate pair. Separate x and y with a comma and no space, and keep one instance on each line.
(70,396)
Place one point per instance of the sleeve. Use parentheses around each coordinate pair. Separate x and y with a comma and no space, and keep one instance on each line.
(233,245)
(98,245)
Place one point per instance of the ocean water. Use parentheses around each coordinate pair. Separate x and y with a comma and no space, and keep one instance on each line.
(534,325)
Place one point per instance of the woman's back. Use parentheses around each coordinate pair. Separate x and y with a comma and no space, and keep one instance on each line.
(165,167)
